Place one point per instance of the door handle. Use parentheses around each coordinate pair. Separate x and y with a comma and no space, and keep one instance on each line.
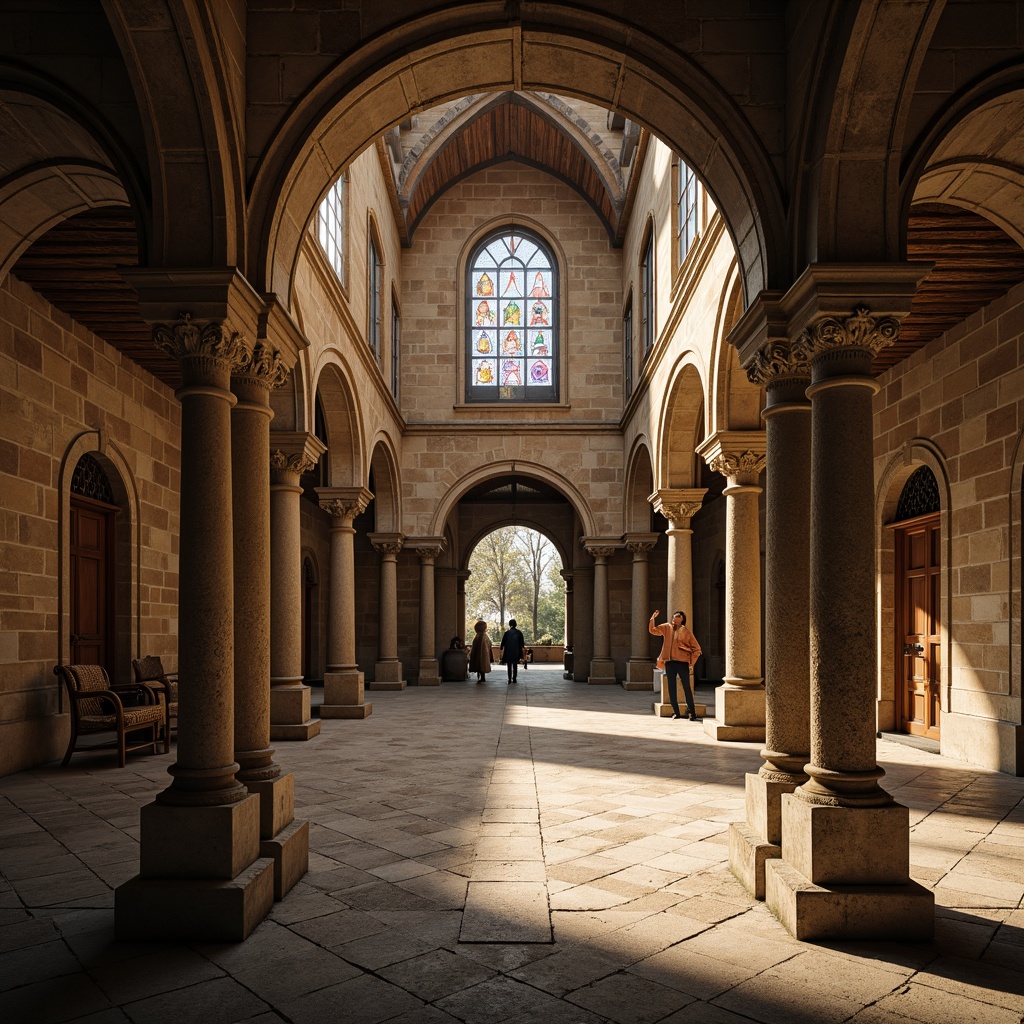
(913,649)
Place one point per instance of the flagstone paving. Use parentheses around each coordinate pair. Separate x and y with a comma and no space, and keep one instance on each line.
(565,814)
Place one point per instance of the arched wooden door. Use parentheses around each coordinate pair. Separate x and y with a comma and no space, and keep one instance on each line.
(93,568)
(918,606)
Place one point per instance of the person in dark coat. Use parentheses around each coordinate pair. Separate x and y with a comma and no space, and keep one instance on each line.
(512,645)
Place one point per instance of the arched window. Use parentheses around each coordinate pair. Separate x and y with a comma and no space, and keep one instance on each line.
(512,320)
(331,227)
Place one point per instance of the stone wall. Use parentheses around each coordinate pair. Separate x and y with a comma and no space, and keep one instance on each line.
(957,405)
(64,392)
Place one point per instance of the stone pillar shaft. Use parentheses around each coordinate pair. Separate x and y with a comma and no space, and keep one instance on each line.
(428,670)
(640,668)
(602,668)
(387,673)
(343,682)
(291,455)
(250,482)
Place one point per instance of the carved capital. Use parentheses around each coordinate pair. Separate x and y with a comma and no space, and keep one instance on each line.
(296,462)
(428,552)
(386,544)
(678,505)
(210,346)
(640,543)
(861,332)
(344,503)
(779,359)
(261,365)
(600,551)
(738,463)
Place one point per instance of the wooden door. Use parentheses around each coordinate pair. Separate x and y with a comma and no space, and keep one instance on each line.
(92,580)
(918,625)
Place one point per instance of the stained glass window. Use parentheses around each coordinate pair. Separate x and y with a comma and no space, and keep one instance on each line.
(512,320)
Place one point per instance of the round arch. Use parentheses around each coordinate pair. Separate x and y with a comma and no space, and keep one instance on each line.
(613,62)
(507,468)
(128,545)
(387,486)
(916,453)
(683,424)
(345,450)
(467,549)
(639,486)
(733,402)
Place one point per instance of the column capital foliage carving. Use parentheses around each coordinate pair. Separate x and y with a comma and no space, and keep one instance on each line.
(389,547)
(343,508)
(860,331)
(600,551)
(779,359)
(638,547)
(679,511)
(262,365)
(429,551)
(196,343)
(294,462)
(734,463)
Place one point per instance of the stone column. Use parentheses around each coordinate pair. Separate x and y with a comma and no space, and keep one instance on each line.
(844,871)
(678,505)
(739,701)
(291,455)
(460,603)
(201,876)
(343,682)
(783,370)
(281,837)
(428,548)
(387,671)
(602,667)
(568,666)
(640,667)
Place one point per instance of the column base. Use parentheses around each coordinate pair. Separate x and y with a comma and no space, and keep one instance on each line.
(194,909)
(739,714)
(812,912)
(663,709)
(428,674)
(290,717)
(346,710)
(748,854)
(289,850)
(602,672)
(277,804)
(639,675)
(301,731)
(207,843)
(387,675)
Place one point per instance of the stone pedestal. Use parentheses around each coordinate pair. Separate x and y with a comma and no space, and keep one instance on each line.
(739,714)
(758,839)
(639,674)
(291,711)
(663,706)
(343,696)
(846,872)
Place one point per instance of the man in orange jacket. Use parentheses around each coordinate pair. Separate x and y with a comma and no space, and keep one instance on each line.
(679,653)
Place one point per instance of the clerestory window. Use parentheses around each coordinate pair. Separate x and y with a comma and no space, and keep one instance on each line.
(512,307)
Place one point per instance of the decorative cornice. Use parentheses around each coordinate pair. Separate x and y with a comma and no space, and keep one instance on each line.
(262,365)
(197,343)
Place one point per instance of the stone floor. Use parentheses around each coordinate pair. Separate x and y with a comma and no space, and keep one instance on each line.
(438,794)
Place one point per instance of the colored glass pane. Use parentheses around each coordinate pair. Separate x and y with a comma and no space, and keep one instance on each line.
(512,320)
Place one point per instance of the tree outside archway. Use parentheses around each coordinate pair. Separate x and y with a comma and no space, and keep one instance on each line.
(514,573)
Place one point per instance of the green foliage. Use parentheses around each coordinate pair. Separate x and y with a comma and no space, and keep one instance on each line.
(514,573)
